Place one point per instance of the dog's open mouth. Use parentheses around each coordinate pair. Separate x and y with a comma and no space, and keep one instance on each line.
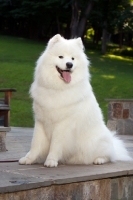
(65,74)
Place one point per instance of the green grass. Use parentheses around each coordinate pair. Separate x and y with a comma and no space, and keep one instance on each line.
(17,62)
(112,76)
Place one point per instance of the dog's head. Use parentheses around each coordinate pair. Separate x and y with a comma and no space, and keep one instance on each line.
(63,62)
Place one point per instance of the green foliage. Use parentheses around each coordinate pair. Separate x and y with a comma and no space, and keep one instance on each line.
(90,33)
(111,76)
(116,13)
(111,48)
(34,19)
(126,51)
(123,16)
(41,18)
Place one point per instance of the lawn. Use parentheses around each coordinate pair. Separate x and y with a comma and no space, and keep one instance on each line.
(112,76)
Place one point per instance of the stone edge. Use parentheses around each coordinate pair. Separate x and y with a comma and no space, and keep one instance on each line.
(45,183)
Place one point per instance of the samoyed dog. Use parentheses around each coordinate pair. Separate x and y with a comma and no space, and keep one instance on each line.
(69,126)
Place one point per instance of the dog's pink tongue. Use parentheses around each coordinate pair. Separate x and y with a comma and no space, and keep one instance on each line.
(66,76)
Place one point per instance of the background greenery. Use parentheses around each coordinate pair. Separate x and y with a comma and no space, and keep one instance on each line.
(17,62)
(112,75)
(110,20)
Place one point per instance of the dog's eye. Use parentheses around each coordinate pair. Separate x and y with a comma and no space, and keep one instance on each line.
(60,57)
(72,58)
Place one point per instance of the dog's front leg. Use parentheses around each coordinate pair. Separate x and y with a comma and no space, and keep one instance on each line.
(54,155)
(39,146)
(56,147)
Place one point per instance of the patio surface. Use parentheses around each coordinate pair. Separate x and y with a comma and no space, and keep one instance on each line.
(15,177)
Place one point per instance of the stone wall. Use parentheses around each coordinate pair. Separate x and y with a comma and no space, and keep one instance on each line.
(120,116)
(105,189)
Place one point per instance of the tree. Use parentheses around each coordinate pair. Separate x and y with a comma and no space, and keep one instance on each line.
(123,20)
(71,18)
(108,17)
(35,19)
(79,17)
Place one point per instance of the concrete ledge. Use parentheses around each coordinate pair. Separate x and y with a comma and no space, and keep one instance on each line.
(111,181)
(15,177)
(105,189)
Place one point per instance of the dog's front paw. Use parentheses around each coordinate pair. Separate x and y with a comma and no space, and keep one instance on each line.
(50,163)
(25,161)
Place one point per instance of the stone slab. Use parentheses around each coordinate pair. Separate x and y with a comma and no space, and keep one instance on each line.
(15,177)
(124,126)
(111,124)
(18,142)
(119,188)
(4,129)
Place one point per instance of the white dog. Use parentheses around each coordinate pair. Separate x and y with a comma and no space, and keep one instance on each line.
(69,126)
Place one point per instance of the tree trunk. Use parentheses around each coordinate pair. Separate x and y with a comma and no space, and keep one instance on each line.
(104,38)
(120,38)
(97,36)
(75,19)
(78,27)
(82,23)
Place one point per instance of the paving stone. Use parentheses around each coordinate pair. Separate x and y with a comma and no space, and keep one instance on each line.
(125,113)
(131,110)
(120,126)
(124,126)
(111,124)
(114,189)
(117,110)
(126,105)
(129,126)
(110,117)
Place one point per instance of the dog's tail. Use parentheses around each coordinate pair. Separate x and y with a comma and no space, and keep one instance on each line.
(120,150)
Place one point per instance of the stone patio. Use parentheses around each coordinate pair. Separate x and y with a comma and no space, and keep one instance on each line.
(111,181)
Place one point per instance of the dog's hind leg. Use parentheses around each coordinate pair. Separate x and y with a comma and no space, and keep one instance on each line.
(39,147)
(101,160)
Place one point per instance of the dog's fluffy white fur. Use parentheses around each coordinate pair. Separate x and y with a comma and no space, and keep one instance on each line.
(69,126)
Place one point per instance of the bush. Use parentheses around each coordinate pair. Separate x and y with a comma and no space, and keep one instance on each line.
(126,51)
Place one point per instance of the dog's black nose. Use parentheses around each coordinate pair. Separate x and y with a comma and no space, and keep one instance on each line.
(69,65)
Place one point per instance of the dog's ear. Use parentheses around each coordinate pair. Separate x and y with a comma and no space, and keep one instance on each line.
(80,43)
(54,40)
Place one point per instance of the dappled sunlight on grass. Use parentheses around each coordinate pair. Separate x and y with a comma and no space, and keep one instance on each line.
(118,57)
(92,52)
(112,77)
(102,59)
(129,48)
(108,76)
